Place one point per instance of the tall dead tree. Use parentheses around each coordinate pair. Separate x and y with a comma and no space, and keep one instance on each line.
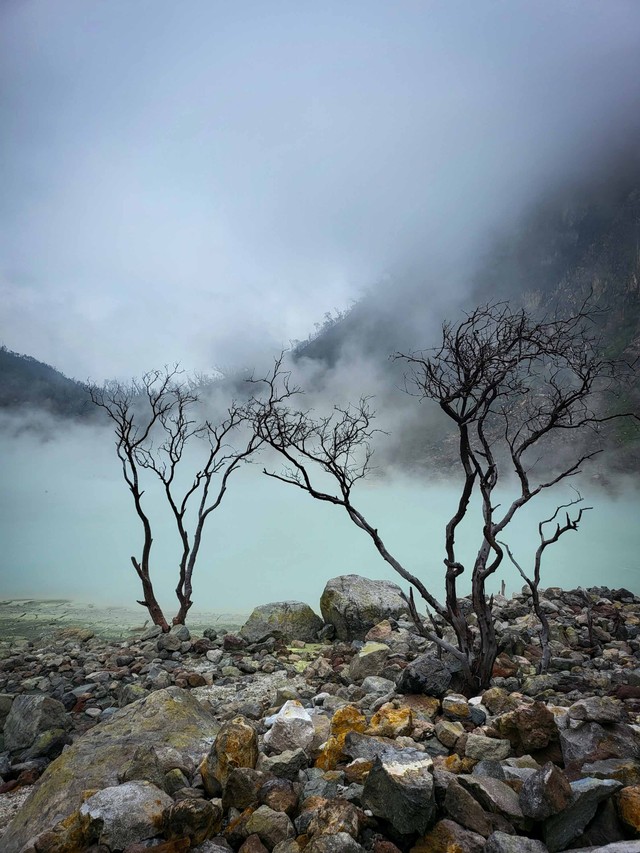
(510,385)
(155,420)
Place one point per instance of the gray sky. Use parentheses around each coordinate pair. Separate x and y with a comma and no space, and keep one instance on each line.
(201,181)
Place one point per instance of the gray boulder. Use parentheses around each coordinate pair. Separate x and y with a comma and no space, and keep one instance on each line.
(126,814)
(399,788)
(500,842)
(587,794)
(36,726)
(289,620)
(354,604)
(426,674)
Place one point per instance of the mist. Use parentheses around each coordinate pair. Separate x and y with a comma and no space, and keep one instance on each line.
(68,529)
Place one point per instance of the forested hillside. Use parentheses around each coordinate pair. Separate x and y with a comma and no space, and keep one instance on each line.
(24,381)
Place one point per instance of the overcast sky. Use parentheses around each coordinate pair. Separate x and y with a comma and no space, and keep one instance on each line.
(201,181)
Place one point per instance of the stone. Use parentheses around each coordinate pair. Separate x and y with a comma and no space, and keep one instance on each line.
(449,837)
(169,643)
(376,684)
(341,842)
(236,745)
(287,620)
(528,727)
(196,820)
(546,792)
(354,604)
(494,796)
(252,845)
(448,732)
(501,842)
(126,814)
(391,722)
(36,726)
(463,808)
(586,794)
(369,660)
(93,762)
(335,816)
(616,847)
(242,786)
(286,764)
(598,709)
(594,741)
(279,794)
(625,770)
(480,747)
(426,674)
(456,707)
(346,719)
(292,728)
(145,765)
(629,808)
(399,789)
(270,826)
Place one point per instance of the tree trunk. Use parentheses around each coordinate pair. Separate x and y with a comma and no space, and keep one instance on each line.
(150,601)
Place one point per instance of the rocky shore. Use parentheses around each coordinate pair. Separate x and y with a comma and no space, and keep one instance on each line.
(332,734)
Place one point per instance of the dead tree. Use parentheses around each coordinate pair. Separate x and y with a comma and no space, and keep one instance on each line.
(534,582)
(509,384)
(155,421)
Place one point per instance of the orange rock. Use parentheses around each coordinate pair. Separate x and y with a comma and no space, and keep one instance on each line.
(629,807)
(391,722)
(346,719)
(422,707)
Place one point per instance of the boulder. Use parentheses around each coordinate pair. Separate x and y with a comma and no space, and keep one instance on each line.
(427,674)
(172,717)
(292,728)
(586,795)
(482,748)
(501,842)
(270,826)
(399,789)
(546,792)
(447,836)
(36,726)
(287,620)
(369,660)
(236,745)
(126,814)
(354,604)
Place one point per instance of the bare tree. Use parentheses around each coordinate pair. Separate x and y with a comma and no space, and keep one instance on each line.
(155,420)
(533,582)
(510,384)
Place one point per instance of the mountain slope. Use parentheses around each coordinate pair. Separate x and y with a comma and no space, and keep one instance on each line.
(26,382)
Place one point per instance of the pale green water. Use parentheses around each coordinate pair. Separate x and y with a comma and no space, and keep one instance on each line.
(67,530)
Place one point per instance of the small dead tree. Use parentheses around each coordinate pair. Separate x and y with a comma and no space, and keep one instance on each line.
(155,421)
(534,582)
(510,384)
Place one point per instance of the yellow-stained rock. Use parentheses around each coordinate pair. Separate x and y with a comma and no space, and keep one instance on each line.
(67,836)
(235,746)
(357,770)
(422,707)
(346,719)
(449,837)
(391,722)
(629,807)
(454,764)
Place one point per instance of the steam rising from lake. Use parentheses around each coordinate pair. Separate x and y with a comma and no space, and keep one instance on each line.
(68,528)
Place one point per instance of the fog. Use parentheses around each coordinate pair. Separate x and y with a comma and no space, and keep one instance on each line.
(68,530)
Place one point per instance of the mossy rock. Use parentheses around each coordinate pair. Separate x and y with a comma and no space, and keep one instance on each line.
(168,719)
(287,620)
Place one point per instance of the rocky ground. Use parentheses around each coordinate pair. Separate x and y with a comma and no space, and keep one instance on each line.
(337,734)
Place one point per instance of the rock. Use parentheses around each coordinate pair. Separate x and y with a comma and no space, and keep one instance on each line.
(482,748)
(292,728)
(593,742)
(376,684)
(463,808)
(369,660)
(448,732)
(126,814)
(456,707)
(288,620)
(391,722)
(335,816)
(270,826)
(36,726)
(354,604)
(494,796)
(616,847)
(500,842)
(399,788)
(598,709)
(345,720)
(280,795)
(196,820)
(236,745)
(169,643)
(252,845)
(586,794)
(546,792)
(528,727)
(426,674)
(285,765)
(94,760)
(629,808)
(625,770)
(145,765)
(449,837)
(242,786)
(341,842)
